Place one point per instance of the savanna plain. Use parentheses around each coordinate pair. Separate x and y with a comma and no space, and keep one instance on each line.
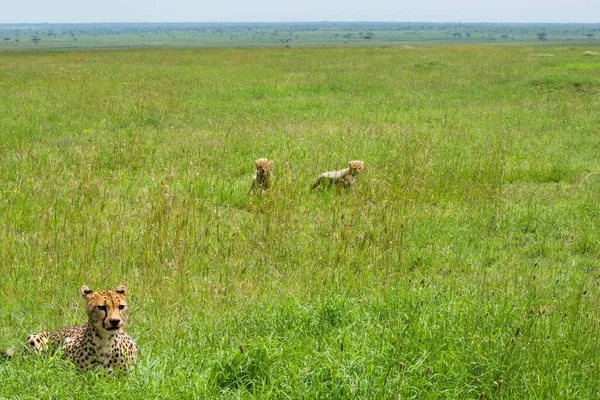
(464,263)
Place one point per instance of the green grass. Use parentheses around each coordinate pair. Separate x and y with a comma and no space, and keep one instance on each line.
(467,253)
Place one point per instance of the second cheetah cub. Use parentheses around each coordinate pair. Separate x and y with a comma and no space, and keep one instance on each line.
(346,177)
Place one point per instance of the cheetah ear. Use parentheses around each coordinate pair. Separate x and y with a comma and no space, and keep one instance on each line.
(86,291)
(121,290)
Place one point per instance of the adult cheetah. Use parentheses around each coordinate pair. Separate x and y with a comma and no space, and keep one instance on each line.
(99,342)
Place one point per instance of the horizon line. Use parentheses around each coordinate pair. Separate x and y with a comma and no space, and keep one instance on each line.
(301,22)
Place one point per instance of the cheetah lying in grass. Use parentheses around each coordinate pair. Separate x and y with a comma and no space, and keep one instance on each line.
(99,342)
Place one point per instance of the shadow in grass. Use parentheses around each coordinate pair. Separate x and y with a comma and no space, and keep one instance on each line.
(579,67)
(550,174)
(562,82)
(427,65)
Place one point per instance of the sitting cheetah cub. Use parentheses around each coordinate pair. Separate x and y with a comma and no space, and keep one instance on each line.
(346,177)
(262,175)
(99,342)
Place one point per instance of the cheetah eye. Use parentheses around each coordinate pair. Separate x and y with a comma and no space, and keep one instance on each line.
(121,307)
(102,308)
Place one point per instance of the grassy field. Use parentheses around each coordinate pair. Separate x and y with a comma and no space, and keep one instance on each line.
(465,261)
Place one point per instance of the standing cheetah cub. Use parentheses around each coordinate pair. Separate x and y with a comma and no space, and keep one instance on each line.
(99,342)
(346,177)
(262,175)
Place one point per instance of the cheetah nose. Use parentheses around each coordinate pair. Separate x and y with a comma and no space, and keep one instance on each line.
(115,322)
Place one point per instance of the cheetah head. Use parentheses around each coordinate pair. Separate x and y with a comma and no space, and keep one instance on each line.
(356,166)
(105,308)
(264,166)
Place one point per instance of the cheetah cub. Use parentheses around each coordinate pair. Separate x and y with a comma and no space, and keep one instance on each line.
(99,342)
(346,177)
(262,175)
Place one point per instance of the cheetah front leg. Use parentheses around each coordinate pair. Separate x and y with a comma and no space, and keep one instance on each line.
(317,183)
(348,181)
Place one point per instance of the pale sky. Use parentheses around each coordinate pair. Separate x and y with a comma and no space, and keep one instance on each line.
(34,11)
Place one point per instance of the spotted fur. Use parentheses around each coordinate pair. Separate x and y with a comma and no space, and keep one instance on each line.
(99,342)
(345,177)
